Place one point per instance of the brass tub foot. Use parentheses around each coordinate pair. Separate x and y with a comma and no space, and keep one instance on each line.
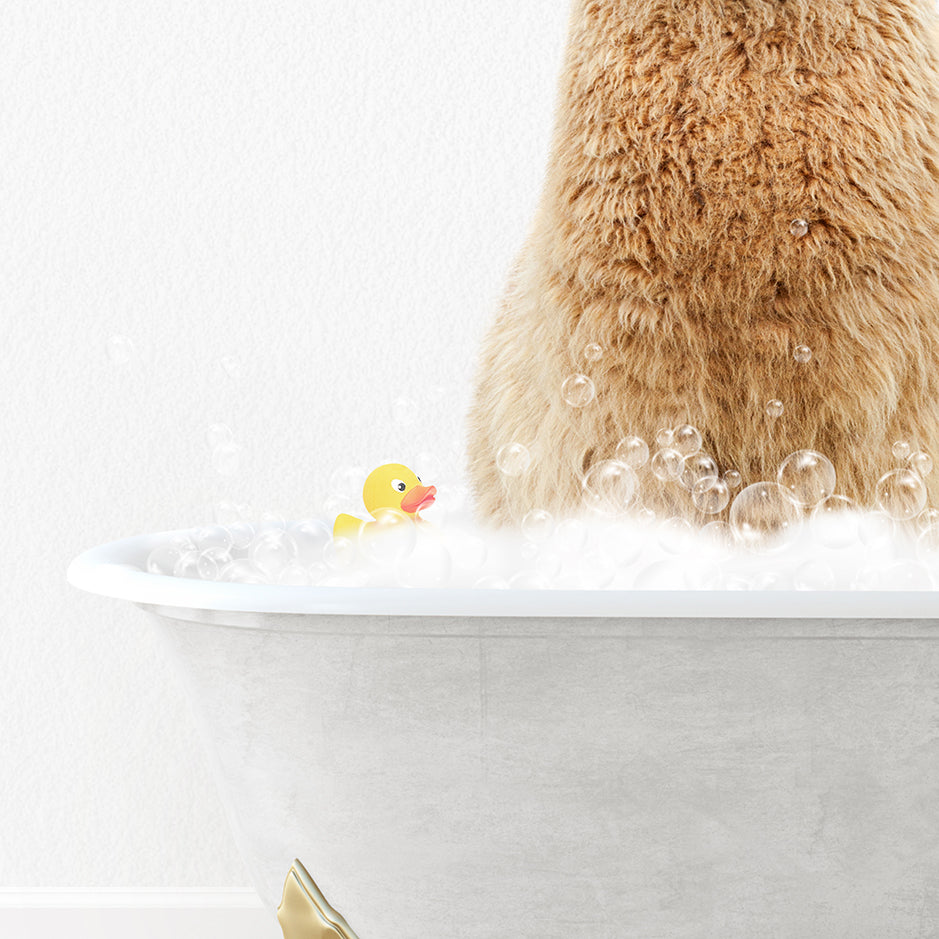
(304,912)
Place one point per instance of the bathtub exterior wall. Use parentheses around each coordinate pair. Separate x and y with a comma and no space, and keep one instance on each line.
(469,779)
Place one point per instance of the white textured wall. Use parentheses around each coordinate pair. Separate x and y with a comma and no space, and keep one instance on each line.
(332,192)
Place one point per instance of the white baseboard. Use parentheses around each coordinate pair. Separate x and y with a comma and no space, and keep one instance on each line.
(135,914)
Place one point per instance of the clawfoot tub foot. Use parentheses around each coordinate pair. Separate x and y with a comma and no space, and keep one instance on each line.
(304,912)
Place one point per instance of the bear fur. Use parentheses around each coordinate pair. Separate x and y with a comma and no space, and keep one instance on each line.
(689,136)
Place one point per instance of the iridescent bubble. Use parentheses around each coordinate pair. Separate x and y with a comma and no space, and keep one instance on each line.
(513,459)
(667,464)
(799,227)
(901,494)
(802,354)
(608,487)
(391,537)
(901,450)
(120,349)
(226,458)
(578,390)
(593,352)
(710,495)
(272,551)
(808,477)
(697,467)
(764,517)
(537,525)
(733,479)
(921,463)
(664,438)
(686,440)
(774,408)
(633,451)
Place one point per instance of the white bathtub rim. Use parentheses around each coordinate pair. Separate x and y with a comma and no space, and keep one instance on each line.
(116,570)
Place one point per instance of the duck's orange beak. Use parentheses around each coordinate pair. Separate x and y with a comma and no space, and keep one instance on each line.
(420,497)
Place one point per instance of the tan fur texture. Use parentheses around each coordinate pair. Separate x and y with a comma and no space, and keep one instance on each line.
(689,136)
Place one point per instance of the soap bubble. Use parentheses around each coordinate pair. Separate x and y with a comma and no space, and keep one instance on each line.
(710,495)
(310,537)
(428,565)
(391,537)
(593,352)
(667,464)
(664,438)
(271,521)
(226,458)
(213,536)
(720,532)
(208,563)
(877,531)
(272,551)
(120,349)
(513,459)
(901,494)
(927,544)
(633,451)
(802,354)
(340,554)
(675,536)
(608,487)
(921,463)
(733,479)
(799,227)
(571,535)
(814,574)
(187,565)
(242,571)
(764,517)
(537,525)
(218,434)
(807,476)
(578,390)
(926,518)
(774,408)
(901,450)
(241,534)
(164,557)
(686,440)
(834,522)
(697,467)
(232,366)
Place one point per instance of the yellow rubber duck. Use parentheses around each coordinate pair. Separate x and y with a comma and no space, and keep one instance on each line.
(391,487)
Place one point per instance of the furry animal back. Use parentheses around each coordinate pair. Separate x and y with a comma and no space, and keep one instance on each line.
(689,137)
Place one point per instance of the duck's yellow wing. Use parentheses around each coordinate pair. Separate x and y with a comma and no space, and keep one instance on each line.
(347,526)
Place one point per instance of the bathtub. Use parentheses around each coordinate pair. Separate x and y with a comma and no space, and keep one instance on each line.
(464,764)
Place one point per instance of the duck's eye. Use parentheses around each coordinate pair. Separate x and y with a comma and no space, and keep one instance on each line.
(397,484)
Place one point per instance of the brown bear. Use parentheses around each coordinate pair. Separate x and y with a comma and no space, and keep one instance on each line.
(739,230)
